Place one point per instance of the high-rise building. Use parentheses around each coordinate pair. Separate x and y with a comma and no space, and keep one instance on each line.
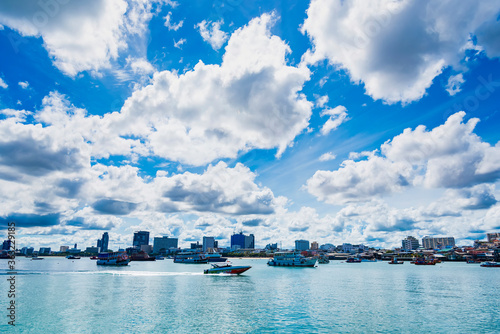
(163,244)
(7,244)
(104,242)
(44,250)
(301,245)
(63,249)
(140,238)
(208,243)
(493,236)
(410,243)
(433,243)
(242,241)
(314,245)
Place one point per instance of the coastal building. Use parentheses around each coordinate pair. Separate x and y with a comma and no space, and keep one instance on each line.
(242,241)
(140,238)
(327,247)
(163,244)
(6,244)
(442,242)
(493,236)
(27,250)
(301,245)
(103,244)
(63,249)
(44,250)
(74,250)
(314,245)
(92,250)
(410,243)
(347,248)
(196,246)
(208,243)
(271,246)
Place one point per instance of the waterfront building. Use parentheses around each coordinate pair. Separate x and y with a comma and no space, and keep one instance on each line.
(148,249)
(44,250)
(196,246)
(140,238)
(104,242)
(74,250)
(27,250)
(163,244)
(92,250)
(442,242)
(301,245)
(347,248)
(314,245)
(271,246)
(327,247)
(6,244)
(208,243)
(242,241)
(63,249)
(410,243)
(493,236)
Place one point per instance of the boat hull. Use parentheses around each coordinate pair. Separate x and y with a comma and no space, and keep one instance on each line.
(309,264)
(113,262)
(227,270)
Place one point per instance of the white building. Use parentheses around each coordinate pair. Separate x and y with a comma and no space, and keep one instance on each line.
(410,243)
(433,243)
(208,243)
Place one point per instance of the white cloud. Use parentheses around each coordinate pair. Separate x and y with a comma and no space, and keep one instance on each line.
(321,101)
(338,115)
(140,65)
(397,48)
(211,33)
(249,101)
(454,84)
(23,84)
(327,156)
(448,156)
(3,84)
(178,44)
(170,25)
(78,36)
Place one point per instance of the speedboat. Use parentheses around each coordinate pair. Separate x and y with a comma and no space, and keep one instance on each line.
(226,268)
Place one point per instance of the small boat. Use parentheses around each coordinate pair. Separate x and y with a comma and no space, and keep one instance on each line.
(490,264)
(395,261)
(353,260)
(35,257)
(142,256)
(113,259)
(73,257)
(424,262)
(292,259)
(190,257)
(226,268)
(159,257)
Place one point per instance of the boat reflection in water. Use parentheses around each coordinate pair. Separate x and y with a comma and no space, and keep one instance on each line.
(292,259)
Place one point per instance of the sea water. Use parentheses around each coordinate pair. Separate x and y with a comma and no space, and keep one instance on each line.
(57,295)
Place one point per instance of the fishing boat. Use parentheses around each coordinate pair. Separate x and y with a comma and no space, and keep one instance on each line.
(292,259)
(142,256)
(226,268)
(424,262)
(490,264)
(395,261)
(113,259)
(190,257)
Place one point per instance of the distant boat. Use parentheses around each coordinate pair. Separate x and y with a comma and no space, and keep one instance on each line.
(190,257)
(490,264)
(94,258)
(395,261)
(215,257)
(353,260)
(292,259)
(35,257)
(113,259)
(141,256)
(425,262)
(159,257)
(226,268)
(368,260)
(73,257)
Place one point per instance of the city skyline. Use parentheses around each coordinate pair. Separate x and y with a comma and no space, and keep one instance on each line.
(325,121)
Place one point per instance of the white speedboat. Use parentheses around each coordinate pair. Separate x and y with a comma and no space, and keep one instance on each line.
(292,259)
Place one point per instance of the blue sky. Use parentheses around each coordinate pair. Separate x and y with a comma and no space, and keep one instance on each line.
(332,121)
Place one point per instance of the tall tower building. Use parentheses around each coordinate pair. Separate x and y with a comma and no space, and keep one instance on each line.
(410,243)
(104,242)
(140,238)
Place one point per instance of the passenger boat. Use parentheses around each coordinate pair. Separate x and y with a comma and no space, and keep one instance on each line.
(292,259)
(215,257)
(113,259)
(490,264)
(226,268)
(353,260)
(190,257)
(141,256)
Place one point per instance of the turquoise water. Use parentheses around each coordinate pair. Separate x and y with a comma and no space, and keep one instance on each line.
(57,295)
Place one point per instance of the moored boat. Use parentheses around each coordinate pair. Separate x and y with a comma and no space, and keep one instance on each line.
(215,257)
(113,259)
(425,262)
(353,260)
(73,257)
(190,257)
(395,261)
(490,264)
(141,256)
(226,268)
(292,259)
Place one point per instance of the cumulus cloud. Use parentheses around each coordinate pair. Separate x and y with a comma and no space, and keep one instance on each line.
(170,25)
(454,84)
(23,84)
(3,84)
(78,36)
(251,100)
(327,156)
(397,48)
(211,33)
(448,156)
(338,115)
